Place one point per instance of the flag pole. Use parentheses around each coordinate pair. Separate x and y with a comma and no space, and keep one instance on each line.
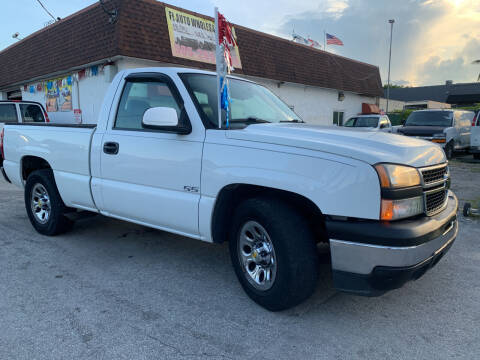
(324,41)
(217,65)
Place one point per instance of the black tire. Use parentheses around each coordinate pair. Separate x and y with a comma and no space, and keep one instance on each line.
(466,209)
(476,156)
(294,247)
(449,150)
(56,223)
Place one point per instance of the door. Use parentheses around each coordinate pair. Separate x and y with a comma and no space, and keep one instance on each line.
(149,176)
(466,124)
(385,124)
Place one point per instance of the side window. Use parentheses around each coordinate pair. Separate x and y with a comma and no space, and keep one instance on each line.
(8,113)
(31,113)
(467,119)
(138,97)
(457,119)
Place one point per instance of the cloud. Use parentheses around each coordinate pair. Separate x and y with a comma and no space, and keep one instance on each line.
(460,68)
(430,37)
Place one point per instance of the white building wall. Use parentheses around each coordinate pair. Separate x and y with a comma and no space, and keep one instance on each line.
(392,104)
(87,96)
(316,105)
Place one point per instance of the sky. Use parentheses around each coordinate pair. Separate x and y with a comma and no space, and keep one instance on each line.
(433,40)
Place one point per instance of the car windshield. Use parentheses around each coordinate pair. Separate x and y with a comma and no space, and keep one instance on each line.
(430,118)
(363,121)
(250,103)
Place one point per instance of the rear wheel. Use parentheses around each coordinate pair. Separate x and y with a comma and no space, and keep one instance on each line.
(44,205)
(273,253)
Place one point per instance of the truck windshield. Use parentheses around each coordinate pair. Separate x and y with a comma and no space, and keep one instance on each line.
(430,118)
(250,103)
(365,121)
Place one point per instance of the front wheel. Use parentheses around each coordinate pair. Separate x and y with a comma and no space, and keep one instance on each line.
(273,253)
(45,207)
(476,156)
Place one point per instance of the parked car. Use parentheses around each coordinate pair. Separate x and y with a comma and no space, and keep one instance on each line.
(20,112)
(371,121)
(269,184)
(448,127)
(475,137)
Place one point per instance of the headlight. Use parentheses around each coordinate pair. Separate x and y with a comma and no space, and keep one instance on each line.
(394,178)
(397,176)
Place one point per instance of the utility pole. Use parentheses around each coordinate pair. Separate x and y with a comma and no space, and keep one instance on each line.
(391,21)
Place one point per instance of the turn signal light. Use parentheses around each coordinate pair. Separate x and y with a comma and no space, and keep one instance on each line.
(386,210)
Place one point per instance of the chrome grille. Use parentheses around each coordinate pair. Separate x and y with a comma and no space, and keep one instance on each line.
(434,175)
(435,200)
(435,193)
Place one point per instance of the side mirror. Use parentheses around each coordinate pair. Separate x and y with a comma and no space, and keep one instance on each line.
(159,117)
(166,119)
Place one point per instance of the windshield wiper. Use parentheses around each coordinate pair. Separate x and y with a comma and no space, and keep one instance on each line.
(292,121)
(250,120)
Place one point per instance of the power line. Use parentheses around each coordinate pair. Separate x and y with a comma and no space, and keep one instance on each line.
(48,12)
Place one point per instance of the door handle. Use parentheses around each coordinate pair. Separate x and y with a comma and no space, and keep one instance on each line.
(111,148)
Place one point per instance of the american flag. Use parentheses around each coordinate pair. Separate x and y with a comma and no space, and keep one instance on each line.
(333,40)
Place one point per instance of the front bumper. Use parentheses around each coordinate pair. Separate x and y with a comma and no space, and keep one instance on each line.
(372,257)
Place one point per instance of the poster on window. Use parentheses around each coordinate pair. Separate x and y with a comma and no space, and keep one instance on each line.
(58,93)
(193,38)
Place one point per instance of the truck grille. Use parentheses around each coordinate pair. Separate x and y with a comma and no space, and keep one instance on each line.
(434,175)
(434,180)
(435,201)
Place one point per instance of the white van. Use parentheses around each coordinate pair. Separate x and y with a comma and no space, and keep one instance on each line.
(449,128)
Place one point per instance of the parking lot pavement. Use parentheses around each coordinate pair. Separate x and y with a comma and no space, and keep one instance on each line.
(114,290)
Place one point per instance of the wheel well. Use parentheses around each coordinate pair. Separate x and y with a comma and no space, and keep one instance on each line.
(31,164)
(232,195)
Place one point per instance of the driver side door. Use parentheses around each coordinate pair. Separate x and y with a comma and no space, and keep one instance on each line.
(149,176)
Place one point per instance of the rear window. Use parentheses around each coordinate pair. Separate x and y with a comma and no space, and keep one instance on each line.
(430,118)
(8,113)
(31,113)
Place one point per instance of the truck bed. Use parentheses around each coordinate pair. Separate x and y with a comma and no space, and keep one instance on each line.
(66,148)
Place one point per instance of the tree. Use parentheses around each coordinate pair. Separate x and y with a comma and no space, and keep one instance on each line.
(393,86)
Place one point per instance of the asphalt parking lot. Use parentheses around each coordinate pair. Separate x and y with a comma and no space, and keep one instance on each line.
(113,290)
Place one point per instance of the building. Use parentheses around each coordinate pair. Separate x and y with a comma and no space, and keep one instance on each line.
(397,105)
(461,94)
(68,65)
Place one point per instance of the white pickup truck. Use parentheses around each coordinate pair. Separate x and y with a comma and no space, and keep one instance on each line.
(271,185)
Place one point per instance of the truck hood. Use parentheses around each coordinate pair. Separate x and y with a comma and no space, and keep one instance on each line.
(421,130)
(369,146)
